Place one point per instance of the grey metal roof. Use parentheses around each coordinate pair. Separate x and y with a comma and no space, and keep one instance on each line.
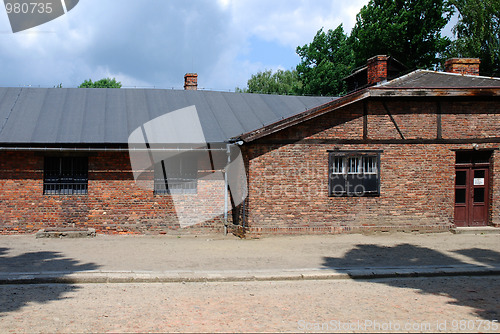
(109,116)
(431,79)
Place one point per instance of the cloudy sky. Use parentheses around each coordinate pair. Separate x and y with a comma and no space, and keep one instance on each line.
(150,43)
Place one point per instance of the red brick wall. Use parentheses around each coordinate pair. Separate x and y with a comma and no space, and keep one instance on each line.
(288,178)
(288,170)
(343,124)
(470,119)
(114,203)
(415,121)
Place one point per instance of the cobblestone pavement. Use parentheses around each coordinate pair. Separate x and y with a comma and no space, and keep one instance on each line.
(454,304)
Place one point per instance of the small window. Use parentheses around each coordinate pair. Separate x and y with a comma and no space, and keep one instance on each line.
(65,176)
(176,175)
(354,174)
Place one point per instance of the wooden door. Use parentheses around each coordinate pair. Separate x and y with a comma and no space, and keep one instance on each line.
(471,196)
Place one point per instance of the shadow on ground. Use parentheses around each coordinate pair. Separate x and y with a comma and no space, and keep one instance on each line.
(465,292)
(14,297)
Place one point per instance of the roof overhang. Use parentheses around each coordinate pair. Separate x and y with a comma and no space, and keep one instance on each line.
(434,92)
(371,92)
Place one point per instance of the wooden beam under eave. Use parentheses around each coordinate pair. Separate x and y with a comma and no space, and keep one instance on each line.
(365,120)
(439,121)
(393,120)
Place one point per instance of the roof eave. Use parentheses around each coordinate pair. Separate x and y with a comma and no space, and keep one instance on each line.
(373,92)
(304,116)
(381,91)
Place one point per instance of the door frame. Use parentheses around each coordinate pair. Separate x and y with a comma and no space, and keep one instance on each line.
(470,162)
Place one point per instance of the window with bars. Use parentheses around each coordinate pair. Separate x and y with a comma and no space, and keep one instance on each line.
(65,176)
(176,175)
(354,174)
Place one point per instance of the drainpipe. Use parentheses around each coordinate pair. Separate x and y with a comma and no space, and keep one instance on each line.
(226,188)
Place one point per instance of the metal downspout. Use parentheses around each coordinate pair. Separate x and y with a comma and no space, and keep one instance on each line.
(226,188)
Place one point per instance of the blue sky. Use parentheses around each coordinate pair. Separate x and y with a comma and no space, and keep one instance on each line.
(148,43)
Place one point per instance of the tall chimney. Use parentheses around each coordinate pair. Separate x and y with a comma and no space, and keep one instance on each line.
(191,81)
(377,69)
(464,66)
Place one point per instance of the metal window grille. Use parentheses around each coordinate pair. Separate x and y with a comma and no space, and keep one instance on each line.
(65,176)
(354,165)
(354,174)
(338,165)
(370,165)
(177,175)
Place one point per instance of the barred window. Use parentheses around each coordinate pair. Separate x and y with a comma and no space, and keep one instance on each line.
(177,175)
(354,174)
(65,176)
(338,165)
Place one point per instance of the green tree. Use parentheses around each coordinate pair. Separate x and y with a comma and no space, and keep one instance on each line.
(478,33)
(324,62)
(408,30)
(103,83)
(280,82)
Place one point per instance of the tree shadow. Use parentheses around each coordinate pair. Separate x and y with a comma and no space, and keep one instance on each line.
(485,256)
(403,255)
(469,291)
(15,296)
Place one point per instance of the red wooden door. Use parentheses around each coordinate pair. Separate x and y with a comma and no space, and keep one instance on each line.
(471,196)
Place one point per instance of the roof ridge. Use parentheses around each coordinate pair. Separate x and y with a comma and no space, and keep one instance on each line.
(461,75)
(422,78)
(408,75)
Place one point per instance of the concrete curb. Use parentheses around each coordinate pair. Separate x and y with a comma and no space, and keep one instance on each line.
(242,276)
(65,233)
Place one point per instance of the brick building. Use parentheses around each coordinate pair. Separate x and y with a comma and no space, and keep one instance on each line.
(419,152)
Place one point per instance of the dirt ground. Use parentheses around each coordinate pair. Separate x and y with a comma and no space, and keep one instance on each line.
(165,253)
(458,304)
(453,304)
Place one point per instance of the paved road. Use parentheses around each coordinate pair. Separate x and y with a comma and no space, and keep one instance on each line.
(423,304)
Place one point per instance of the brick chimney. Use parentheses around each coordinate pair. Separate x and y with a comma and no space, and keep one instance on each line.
(464,66)
(191,81)
(377,69)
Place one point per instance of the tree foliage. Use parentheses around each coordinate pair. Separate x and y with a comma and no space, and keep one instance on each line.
(280,82)
(103,83)
(324,62)
(408,30)
(478,33)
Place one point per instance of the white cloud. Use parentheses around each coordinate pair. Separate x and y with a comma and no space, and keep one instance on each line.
(287,23)
(291,22)
(154,43)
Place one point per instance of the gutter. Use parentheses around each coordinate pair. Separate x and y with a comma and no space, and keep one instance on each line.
(104,149)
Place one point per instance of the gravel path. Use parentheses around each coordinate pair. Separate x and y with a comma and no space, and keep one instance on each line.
(166,253)
(430,304)
(302,306)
